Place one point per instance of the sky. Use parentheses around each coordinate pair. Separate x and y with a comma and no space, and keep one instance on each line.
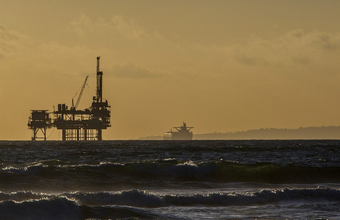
(219,65)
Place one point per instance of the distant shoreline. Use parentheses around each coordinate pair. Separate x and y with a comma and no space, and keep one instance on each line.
(324,132)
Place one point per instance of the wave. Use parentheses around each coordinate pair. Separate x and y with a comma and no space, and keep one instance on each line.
(57,208)
(137,204)
(61,207)
(170,170)
(70,202)
(142,199)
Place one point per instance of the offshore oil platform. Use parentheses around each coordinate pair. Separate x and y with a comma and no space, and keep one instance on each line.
(181,133)
(75,124)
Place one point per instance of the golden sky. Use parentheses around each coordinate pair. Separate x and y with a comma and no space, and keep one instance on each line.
(219,65)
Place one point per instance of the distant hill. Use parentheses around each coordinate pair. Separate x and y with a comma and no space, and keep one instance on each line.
(329,132)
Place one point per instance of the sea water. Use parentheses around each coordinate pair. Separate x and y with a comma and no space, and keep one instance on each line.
(281,179)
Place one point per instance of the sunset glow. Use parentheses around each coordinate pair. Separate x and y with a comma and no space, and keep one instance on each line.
(220,66)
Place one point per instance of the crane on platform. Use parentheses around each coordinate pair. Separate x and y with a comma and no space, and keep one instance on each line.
(79,96)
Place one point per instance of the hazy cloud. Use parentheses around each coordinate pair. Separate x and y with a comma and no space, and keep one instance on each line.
(296,47)
(124,26)
(9,40)
(328,41)
(316,39)
(132,71)
(127,27)
(6,34)
(83,25)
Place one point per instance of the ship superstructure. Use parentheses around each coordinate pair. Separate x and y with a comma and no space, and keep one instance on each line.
(179,133)
(75,124)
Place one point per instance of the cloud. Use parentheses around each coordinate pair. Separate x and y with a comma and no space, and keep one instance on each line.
(81,25)
(128,27)
(315,39)
(10,40)
(6,34)
(291,49)
(295,47)
(132,71)
(328,41)
(124,26)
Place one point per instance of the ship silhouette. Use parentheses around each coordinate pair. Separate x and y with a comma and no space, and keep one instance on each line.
(181,133)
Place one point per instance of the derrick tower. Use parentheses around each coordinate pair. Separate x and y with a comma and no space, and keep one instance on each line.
(100,109)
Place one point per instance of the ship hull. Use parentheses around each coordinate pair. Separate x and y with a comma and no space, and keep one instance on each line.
(182,136)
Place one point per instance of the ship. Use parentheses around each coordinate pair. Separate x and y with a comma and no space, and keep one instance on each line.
(180,133)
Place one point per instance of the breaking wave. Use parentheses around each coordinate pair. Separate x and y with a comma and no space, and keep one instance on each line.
(143,199)
(165,170)
(79,205)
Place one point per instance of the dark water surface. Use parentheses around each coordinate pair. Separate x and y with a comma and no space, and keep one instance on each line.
(297,179)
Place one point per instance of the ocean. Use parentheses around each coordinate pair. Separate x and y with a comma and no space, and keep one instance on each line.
(263,179)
